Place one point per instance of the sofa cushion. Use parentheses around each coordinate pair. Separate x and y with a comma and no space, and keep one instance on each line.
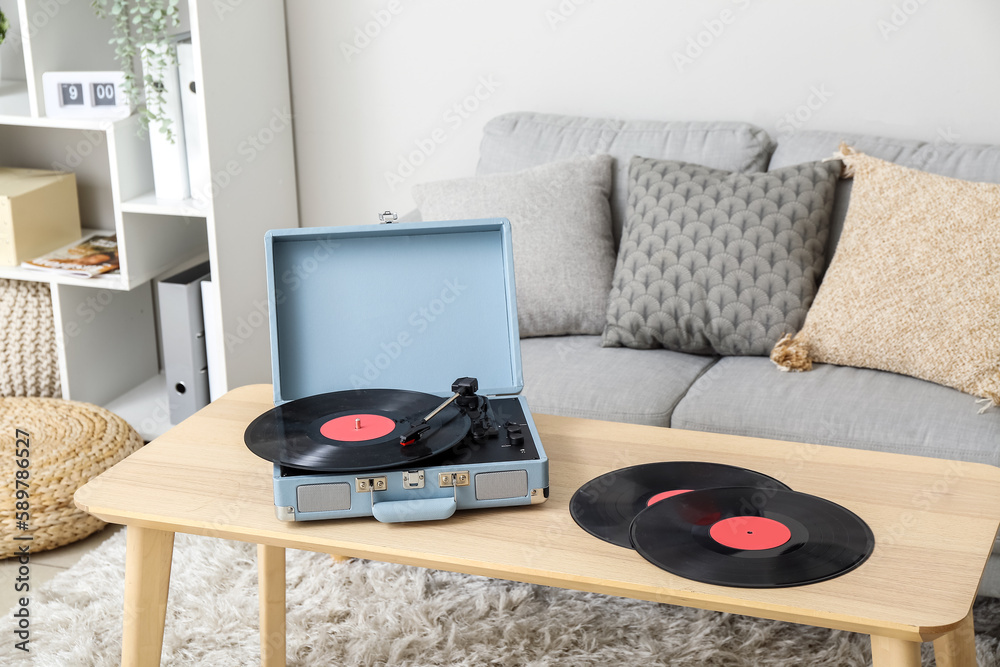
(713,261)
(915,285)
(519,140)
(561,229)
(970,162)
(574,376)
(840,406)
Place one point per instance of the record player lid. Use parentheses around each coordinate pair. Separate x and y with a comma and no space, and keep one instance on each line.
(396,306)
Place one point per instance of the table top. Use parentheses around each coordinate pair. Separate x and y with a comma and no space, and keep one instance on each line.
(934,520)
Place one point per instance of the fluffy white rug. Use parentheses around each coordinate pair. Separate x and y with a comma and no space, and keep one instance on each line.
(367,613)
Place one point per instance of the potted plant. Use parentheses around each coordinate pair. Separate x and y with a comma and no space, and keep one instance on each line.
(140,29)
(4,25)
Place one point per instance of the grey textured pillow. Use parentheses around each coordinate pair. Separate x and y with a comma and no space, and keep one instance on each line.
(716,262)
(561,228)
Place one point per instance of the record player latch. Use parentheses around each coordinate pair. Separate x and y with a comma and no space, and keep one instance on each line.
(413,479)
(447,479)
(364,484)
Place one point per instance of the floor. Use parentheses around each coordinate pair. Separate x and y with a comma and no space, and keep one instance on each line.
(46,565)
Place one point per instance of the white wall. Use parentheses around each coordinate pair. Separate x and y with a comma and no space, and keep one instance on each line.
(922,69)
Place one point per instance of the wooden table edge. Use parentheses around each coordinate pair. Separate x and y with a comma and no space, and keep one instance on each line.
(719,603)
(989,471)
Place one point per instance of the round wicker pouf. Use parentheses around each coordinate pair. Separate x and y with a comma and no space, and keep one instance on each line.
(70,443)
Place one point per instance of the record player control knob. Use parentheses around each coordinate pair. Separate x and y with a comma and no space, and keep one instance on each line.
(514,434)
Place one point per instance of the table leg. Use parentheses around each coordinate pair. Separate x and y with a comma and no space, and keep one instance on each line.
(271,594)
(958,647)
(148,554)
(892,652)
(339,559)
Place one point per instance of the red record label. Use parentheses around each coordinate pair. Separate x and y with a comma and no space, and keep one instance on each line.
(750,533)
(355,428)
(666,494)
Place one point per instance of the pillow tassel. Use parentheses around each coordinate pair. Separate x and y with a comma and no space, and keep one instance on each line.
(843,151)
(991,401)
(789,354)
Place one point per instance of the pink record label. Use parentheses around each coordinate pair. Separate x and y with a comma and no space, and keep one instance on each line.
(750,533)
(355,428)
(664,495)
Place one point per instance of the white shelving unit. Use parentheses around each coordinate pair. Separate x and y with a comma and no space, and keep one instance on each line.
(106,326)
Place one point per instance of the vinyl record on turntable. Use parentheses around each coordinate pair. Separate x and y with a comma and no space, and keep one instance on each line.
(731,537)
(356,430)
(606,505)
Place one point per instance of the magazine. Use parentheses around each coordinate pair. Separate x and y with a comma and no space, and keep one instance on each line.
(85,259)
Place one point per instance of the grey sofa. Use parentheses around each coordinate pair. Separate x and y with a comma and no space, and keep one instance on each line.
(831,405)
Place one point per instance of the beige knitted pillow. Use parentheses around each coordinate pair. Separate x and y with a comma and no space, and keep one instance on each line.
(914,286)
(29,357)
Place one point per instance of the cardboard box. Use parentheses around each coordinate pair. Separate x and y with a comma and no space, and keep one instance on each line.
(39,212)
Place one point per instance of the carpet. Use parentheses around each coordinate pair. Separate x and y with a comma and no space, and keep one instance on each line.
(367,613)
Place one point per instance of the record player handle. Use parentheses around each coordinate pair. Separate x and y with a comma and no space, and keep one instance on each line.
(427,509)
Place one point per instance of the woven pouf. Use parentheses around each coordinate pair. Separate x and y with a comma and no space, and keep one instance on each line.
(70,443)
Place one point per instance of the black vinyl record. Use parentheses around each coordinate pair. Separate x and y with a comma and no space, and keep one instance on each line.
(296,434)
(606,505)
(731,537)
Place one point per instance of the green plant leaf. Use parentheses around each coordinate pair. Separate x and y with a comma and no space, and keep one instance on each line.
(140,28)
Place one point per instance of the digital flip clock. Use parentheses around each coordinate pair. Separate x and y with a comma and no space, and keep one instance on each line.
(85,95)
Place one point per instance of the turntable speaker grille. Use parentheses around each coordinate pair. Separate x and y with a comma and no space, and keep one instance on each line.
(497,485)
(324,497)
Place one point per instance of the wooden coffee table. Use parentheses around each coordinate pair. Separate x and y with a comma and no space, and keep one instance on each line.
(934,523)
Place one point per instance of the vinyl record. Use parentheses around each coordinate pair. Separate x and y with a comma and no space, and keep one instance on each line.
(606,505)
(357,430)
(741,537)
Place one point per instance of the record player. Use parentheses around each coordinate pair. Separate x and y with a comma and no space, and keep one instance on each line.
(396,366)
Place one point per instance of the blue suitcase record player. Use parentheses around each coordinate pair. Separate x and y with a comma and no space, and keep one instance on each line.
(396,366)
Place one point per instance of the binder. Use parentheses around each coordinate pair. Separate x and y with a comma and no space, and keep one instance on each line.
(199,173)
(182,328)
(170,163)
(214,344)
